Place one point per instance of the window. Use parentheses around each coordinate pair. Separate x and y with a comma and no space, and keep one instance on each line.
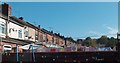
(2,28)
(20,33)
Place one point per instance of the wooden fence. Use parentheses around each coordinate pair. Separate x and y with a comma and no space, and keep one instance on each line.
(103,56)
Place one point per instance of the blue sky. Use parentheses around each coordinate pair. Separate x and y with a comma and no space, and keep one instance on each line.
(59,0)
(75,19)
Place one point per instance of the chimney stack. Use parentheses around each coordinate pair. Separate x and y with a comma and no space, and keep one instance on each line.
(6,9)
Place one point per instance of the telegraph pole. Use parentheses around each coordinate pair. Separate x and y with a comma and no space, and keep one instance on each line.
(118,34)
(118,42)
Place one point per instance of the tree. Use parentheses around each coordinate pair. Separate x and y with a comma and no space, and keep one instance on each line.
(112,42)
(103,40)
(87,41)
(79,41)
(70,39)
(93,43)
(90,42)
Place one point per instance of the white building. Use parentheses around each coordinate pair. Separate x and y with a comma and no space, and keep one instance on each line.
(26,32)
(2,27)
(15,30)
(31,32)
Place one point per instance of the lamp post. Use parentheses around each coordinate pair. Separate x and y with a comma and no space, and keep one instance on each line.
(118,46)
(17,53)
(118,42)
(1,50)
(1,43)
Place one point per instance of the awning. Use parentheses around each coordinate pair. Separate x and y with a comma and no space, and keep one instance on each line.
(7,47)
(52,46)
(26,47)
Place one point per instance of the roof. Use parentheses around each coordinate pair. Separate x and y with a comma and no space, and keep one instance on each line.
(18,20)
(46,31)
(24,22)
(31,25)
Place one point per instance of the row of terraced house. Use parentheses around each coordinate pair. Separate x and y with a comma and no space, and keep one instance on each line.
(15,31)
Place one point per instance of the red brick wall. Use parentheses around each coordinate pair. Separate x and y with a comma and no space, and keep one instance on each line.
(40,36)
(49,38)
(61,42)
(13,45)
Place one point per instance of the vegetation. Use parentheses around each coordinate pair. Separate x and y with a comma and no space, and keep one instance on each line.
(102,41)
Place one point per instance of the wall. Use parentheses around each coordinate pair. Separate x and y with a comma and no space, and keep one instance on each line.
(49,38)
(14,29)
(44,37)
(41,36)
(13,46)
(69,43)
(3,22)
(31,34)
(55,40)
(26,32)
(61,42)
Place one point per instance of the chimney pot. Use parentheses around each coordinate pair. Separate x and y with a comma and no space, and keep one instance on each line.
(21,18)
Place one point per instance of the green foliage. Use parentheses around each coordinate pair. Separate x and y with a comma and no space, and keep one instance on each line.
(89,42)
(70,39)
(103,40)
(112,42)
(93,43)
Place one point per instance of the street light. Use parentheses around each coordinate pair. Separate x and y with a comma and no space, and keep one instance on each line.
(0,43)
(118,42)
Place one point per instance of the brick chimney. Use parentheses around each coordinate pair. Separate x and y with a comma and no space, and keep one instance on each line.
(6,9)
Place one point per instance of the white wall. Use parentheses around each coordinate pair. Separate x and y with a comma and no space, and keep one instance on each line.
(31,33)
(26,29)
(2,21)
(13,30)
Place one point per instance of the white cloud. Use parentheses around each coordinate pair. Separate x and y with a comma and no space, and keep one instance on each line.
(112,32)
(94,34)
